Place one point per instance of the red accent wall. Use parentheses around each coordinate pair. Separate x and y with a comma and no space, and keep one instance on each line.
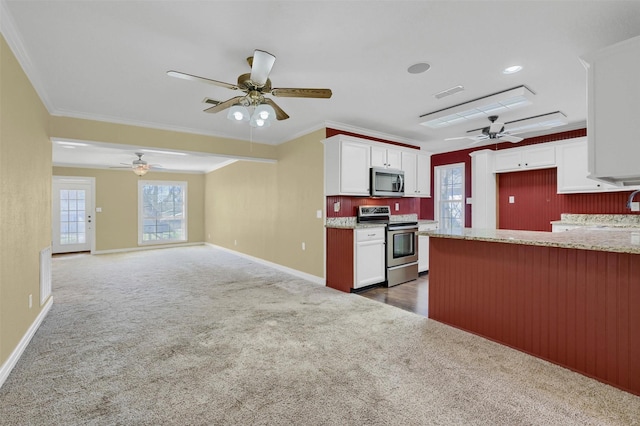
(537,203)
(576,308)
(462,156)
(349,205)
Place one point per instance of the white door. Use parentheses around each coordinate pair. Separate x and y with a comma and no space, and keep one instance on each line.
(73,216)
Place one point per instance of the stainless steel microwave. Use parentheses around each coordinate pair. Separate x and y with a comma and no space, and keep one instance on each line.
(386,182)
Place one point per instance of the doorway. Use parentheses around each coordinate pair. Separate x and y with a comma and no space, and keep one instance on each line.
(73,214)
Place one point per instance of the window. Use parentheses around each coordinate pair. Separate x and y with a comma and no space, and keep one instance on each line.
(449,191)
(162,212)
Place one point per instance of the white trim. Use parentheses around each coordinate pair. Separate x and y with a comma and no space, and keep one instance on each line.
(436,190)
(371,133)
(11,362)
(313,278)
(185,214)
(92,182)
(148,247)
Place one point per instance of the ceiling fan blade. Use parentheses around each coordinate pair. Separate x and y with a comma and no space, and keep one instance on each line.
(510,138)
(302,93)
(261,65)
(186,76)
(280,114)
(224,105)
(496,127)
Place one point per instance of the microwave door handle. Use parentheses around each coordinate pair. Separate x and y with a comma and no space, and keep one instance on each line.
(401,189)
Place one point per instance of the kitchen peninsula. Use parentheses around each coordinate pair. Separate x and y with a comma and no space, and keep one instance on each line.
(572,298)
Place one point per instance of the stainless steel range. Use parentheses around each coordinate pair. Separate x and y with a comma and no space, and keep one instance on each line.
(401,242)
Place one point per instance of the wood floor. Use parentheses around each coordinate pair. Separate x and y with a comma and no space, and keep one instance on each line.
(412,296)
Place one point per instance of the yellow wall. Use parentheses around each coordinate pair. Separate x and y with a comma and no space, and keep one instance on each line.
(117,196)
(25,194)
(269,210)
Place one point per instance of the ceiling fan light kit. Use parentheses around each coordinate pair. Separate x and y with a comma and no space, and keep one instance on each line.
(141,169)
(255,85)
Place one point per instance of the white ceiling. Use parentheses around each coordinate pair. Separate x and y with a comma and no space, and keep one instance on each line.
(107,60)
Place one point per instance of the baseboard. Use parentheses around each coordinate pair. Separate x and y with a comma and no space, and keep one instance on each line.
(6,368)
(151,247)
(313,278)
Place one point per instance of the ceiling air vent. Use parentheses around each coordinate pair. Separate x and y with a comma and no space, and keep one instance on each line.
(449,92)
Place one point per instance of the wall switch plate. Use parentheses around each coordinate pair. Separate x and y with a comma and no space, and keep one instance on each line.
(397,206)
(512,199)
(98,209)
(469,200)
(319,214)
(304,246)
(635,206)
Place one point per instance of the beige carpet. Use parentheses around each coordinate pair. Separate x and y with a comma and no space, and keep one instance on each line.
(197,336)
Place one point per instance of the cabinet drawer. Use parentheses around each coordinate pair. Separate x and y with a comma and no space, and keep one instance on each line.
(370,234)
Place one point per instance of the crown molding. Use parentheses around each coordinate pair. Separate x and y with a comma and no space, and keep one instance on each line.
(371,133)
(12,36)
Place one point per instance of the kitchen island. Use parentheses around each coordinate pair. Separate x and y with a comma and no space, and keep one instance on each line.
(572,298)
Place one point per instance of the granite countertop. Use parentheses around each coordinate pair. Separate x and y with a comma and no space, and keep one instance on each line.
(599,220)
(609,240)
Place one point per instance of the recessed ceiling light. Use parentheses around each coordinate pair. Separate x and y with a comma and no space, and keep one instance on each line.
(512,69)
(68,147)
(418,68)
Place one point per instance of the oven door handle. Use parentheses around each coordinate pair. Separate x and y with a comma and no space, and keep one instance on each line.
(401,228)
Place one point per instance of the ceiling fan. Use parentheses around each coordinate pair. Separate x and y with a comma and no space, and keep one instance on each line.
(255,86)
(139,166)
(494,131)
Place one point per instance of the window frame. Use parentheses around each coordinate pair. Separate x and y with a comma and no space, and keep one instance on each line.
(438,171)
(141,217)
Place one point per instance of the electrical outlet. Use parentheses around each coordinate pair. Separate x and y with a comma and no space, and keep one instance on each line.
(635,206)
(512,199)
(336,207)
(319,214)
(304,246)
(397,206)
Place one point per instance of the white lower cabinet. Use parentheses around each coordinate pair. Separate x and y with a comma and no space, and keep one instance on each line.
(423,246)
(369,256)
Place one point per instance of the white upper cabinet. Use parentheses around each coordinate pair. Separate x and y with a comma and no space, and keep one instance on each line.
(385,157)
(346,163)
(417,174)
(525,158)
(613,124)
(573,170)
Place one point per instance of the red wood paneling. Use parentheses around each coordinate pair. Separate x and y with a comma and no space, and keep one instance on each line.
(537,203)
(340,259)
(349,205)
(462,156)
(576,308)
